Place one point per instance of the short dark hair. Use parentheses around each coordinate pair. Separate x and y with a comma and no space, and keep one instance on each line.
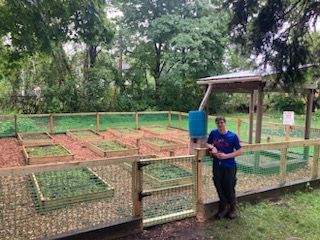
(220,118)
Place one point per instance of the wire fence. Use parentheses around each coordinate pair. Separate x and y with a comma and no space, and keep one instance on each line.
(39,202)
(267,165)
(47,200)
(60,123)
(169,189)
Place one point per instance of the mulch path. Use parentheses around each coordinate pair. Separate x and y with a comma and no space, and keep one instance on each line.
(10,153)
(78,148)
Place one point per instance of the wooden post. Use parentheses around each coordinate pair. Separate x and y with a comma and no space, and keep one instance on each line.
(287,130)
(200,153)
(97,122)
(136,189)
(283,166)
(137,120)
(51,123)
(251,112)
(268,139)
(15,125)
(180,121)
(308,115)
(169,119)
(259,114)
(138,144)
(239,127)
(315,166)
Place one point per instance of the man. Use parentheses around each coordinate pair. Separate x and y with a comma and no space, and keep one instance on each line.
(224,146)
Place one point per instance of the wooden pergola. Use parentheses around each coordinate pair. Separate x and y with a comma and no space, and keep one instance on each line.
(252,82)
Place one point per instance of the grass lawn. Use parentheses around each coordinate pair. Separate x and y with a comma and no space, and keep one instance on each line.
(294,217)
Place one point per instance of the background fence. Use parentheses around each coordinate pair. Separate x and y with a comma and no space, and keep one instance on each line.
(60,123)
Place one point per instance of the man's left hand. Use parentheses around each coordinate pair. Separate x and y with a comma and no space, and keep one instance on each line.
(221,155)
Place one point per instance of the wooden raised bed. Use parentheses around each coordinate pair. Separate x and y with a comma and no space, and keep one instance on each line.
(85,134)
(125,132)
(28,139)
(159,130)
(164,175)
(112,148)
(46,154)
(60,188)
(159,144)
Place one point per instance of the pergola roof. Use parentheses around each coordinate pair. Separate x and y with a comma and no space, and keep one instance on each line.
(245,82)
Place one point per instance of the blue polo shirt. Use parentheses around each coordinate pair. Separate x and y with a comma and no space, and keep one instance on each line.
(225,143)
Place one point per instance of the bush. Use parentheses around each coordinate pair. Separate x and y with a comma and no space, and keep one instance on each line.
(287,103)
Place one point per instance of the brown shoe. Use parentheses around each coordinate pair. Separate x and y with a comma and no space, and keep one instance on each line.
(232,214)
(223,211)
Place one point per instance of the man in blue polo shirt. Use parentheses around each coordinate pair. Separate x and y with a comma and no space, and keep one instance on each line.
(224,146)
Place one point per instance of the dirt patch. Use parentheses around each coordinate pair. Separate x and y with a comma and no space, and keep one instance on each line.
(186,229)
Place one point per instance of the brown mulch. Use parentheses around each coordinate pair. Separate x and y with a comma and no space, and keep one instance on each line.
(10,153)
(78,148)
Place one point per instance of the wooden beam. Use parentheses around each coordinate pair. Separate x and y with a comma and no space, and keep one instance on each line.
(308,114)
(280,145)
(205,98)
(259,114)
(205,81)
(315,165)
(251,112)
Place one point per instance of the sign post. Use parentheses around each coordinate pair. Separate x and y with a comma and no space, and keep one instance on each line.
(288,120)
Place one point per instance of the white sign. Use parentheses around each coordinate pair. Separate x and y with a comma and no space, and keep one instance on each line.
(288,118)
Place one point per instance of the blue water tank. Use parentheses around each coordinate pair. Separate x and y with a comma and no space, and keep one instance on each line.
(197,124)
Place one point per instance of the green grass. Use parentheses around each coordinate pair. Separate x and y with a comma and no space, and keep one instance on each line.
(110,146)
(294,217)
(60,184)
(43,151)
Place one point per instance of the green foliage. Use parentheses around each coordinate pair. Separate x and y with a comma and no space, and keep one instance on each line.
(280,32)
(294,103)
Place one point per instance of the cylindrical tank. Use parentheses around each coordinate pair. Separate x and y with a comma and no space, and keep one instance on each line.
(197,124)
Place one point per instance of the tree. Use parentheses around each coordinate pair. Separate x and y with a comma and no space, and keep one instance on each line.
(279,32)
(176,39)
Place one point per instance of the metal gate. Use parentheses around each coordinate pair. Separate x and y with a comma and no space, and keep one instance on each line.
(168,189)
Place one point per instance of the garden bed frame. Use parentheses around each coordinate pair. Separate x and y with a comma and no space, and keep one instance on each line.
(28,142)
(160,148)
(131,150)
(168,182)
(46,159)
(168,130)
(135,133)
(75,137)
(47,204)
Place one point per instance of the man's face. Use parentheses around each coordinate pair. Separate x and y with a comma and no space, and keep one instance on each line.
(221,125)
